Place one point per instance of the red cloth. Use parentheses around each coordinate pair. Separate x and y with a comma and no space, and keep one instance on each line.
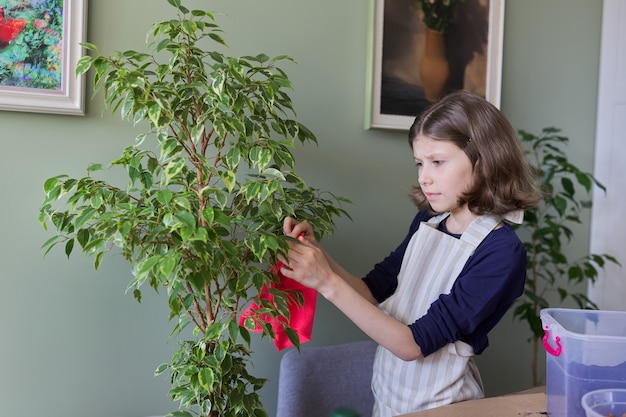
(300,317)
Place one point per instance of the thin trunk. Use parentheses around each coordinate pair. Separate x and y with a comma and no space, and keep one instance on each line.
(535,343)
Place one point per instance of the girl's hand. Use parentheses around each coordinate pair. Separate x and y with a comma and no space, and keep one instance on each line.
(308,265)
(295,229)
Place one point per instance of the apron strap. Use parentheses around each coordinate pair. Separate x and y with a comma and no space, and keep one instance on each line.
(477,230)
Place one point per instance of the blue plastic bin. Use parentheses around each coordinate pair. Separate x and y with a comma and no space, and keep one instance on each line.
(585,351)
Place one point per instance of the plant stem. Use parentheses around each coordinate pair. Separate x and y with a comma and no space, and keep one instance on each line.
(203,324)
(535,344)
(207,301)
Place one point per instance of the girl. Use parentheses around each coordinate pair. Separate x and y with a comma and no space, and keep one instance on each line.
(430,303)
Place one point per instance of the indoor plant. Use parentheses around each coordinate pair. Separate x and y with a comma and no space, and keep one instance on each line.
(210,179)
(546,231)
(438,15)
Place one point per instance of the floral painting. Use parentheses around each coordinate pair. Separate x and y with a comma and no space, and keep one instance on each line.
(31,35)
(424,49)
(40,46)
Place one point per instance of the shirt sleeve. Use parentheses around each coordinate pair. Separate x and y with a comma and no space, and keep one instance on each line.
(489,283)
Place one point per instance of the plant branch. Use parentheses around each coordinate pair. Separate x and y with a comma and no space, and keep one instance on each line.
(203,324)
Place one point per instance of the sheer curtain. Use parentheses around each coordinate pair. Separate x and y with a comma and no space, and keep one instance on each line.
(608,222)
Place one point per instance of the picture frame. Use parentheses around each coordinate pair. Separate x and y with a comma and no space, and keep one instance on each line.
(472,46)
(39,57)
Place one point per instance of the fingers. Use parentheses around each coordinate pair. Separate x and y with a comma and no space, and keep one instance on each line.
(293,228)
(303,255)
(288,224)
(307,264)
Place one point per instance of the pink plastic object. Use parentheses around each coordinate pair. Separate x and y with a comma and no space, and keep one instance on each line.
(546,344)
(300,316)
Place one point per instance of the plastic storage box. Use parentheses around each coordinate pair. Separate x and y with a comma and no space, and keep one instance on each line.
(585,351)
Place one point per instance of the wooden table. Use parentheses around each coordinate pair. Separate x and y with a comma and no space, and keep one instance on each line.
(528,403)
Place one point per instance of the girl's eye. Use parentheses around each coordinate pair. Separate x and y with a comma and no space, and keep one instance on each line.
(418,164)
(437,163)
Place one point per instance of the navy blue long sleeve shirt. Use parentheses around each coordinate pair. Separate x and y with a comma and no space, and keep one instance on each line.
(491,280)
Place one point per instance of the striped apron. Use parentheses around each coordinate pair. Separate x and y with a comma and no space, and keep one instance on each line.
(432,262)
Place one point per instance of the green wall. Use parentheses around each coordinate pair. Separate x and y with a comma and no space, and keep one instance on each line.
(72,344)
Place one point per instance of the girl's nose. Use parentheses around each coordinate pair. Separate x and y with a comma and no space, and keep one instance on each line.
(423,177)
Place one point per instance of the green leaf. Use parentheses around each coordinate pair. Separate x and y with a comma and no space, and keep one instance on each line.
(69,245)
(50,185)
(186,218)
(214,331)
(568,186)
(252,190)
(274,173)
(217,38)
(164,196)
(83,237)
(560,204)
(221,198)
(146,266)
(260,157)
(179,413)
(83,65)
(170,148)
(233,330)
(245,334)
(162,368)
(208,214)
(189,26)
(84,216)
(174,168)
(154,113)
(89,46)
(232,158)
(167,265)
(230,180)
(206,377)
(584,180)
(293,337)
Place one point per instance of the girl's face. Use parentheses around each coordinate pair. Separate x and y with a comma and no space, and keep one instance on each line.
(444,172)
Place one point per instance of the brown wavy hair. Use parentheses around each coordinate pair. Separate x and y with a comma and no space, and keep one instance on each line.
(503,180)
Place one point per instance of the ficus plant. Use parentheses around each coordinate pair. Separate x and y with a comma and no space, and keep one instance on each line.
(552,278)
(209,180)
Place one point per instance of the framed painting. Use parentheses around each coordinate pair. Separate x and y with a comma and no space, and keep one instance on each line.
(422,49)
(39,49)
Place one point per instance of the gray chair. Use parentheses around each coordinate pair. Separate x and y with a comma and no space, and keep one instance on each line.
(320,379)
